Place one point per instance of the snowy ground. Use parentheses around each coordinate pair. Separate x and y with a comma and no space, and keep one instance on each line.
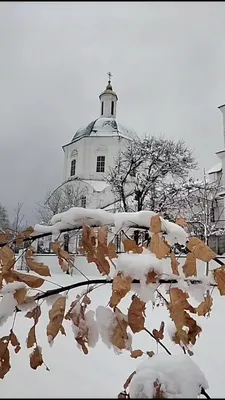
(102,373)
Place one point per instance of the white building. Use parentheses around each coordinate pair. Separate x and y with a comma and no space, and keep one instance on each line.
(217,174)
(92,151)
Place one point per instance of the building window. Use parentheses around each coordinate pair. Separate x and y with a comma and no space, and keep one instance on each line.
(83,201)
(73,168)
(100,166)
(112,107)
(102,108)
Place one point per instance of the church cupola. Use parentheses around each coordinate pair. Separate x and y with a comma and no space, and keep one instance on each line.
(108,100)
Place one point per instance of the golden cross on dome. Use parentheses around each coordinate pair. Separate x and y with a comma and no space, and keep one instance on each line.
(109,75)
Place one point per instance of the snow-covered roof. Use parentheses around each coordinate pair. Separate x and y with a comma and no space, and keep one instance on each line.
(104,127)
(215,168)
(98,186)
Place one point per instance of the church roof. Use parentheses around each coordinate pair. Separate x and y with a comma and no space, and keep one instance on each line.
(215,168)
(104,127)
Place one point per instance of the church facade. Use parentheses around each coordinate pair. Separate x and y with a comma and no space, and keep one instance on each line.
(92,151)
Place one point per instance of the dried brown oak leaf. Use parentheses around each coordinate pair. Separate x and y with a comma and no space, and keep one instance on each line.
(159,334)
(120,287)
(131,245)
(174,263)
(178,300)
(4,356)
(30,280)
(182,222)
(112,251)
(20,295)
(56,315)
(219,276)
(200,249)
(128,381)
(151,277)
(189,268)
(158,246)
(136,314)
(20,236)
(7,259)
(39,268)
(158,392)
(35,313)
(119,334)
(205,307)
(36,359)
(14,341)
(155,225)
(64,258)
(136,353)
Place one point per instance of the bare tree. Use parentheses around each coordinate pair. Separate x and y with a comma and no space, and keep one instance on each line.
(4,219)
(152,169)
(64,197)
(19,223)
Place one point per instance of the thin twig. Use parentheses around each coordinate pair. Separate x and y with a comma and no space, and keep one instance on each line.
(158,341)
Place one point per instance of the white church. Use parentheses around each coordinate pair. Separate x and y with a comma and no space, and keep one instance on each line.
(92,151)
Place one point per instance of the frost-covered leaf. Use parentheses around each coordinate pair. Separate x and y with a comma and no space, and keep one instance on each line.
(174,263)
(200,250)
(159,334)
(56,315)
(155,225)
(131,245)
(205,307)
(189,268)
(120,287)
(159,247)
(219,276)
(36,359)
(136,353)
(136,314)
(39,268)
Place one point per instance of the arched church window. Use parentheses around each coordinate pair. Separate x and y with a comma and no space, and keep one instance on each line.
(73,168)
(100,166)
(112,107)
(102,109)
(83,201)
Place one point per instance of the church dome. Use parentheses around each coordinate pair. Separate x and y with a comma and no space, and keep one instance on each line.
(104,127)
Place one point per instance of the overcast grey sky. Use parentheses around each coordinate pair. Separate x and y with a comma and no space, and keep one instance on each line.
(168,65)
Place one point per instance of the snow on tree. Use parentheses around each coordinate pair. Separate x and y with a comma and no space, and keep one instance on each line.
(4,219)
(138,273)
(153,169)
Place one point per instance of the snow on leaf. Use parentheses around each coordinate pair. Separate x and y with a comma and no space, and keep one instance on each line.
(39,268)
(219,276)
(136,353)
(131,245)
(120,287)
(189,268)
(30,280)
(155,225)
(174,263)
(4,357)
(159,334)
(205,307)
(136,314)
(36,359)
(200,250)
(56,315)
(157,246)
